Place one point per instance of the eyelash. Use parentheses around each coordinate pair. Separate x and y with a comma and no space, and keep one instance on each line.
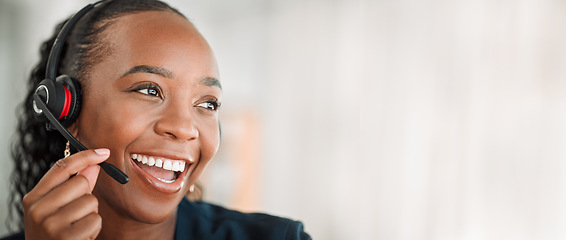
(152,89)
(215,105)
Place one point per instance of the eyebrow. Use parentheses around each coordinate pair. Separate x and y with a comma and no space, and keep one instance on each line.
(150,69)
(207,81)
(211,82)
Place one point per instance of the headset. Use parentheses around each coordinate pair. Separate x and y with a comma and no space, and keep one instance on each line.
(57,100)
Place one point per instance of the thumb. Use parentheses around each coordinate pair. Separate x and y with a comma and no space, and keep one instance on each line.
(91,174)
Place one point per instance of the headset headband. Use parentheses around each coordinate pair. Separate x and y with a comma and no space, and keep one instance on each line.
(53,60)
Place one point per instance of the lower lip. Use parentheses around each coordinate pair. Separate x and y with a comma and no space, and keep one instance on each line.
(159,185)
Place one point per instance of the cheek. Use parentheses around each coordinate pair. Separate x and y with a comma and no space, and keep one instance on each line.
(209,137)
(109,123)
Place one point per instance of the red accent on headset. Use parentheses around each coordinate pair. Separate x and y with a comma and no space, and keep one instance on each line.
(67,106)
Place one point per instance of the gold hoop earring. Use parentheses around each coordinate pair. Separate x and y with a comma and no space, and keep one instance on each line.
(67,151)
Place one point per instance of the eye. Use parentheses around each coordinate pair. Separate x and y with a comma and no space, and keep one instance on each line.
(211,105)
(150,89)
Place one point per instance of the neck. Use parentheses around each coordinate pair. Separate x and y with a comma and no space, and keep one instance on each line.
(117,225)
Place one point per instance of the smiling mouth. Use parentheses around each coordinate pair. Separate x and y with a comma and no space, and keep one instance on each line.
(163,169)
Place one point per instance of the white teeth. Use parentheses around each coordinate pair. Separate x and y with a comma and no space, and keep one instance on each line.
(167,164)
(176,166)
(159,162)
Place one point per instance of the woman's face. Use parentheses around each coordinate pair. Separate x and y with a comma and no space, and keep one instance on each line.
(155,97)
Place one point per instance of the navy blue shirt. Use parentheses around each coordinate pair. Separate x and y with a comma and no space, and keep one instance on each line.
(200,220)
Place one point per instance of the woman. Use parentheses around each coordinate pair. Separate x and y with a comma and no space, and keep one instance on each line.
(150,99)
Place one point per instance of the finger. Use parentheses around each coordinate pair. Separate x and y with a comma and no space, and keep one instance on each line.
(62,195)
(67,167)
(76,210)
(67,215)
(91,174)
(85,228)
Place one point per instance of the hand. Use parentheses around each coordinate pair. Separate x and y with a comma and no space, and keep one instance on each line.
(61,206)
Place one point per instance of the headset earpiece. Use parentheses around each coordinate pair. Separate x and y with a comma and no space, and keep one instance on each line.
(50,93)
(62,98)
(74,88)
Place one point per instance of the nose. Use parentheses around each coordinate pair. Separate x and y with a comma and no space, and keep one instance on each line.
(177,124)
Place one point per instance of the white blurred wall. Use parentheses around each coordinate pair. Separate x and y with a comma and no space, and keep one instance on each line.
(379,119)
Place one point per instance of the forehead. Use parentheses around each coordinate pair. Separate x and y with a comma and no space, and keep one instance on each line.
(163,39)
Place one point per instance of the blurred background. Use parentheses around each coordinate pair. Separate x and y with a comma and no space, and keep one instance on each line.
(368,119)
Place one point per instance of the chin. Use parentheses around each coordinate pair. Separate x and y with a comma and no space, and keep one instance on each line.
(152,216)
(131,201)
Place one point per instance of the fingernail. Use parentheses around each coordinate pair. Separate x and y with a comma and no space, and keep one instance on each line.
(102,151)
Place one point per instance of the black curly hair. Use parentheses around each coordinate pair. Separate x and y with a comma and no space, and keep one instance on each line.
(36,149)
